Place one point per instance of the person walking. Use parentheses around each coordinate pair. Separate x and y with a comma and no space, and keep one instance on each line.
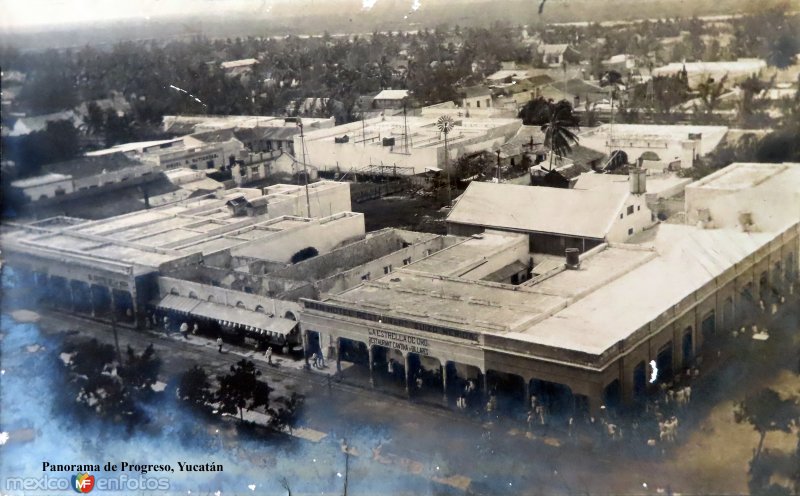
(315,361)
(268,355)
(195,329)
(219,345)
(184,330)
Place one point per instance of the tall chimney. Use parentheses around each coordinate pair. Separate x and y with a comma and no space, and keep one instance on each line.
(637,177)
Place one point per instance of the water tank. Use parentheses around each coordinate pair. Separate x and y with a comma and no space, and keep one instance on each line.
(573,258)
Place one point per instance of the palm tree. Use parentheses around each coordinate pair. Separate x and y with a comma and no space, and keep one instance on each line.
(559,132)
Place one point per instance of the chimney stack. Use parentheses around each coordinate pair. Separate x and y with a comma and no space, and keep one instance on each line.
(573,258)
(637,177)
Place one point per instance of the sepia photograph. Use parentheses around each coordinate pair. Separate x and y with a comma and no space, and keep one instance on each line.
(400,247)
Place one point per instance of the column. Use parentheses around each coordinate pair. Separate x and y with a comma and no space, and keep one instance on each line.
(91,300)
(304,337)
(113,305)
(71,295)
(338,355)
(444,383)
(371,364)
(485,386)
(408,374)
(527,392)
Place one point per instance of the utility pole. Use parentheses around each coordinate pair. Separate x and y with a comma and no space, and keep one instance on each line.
(305,169)
(498,166)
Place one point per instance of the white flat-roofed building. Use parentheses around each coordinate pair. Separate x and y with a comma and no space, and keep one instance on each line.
(746,196)
(663,146)
(697,72)
(577,337)
(411,145)
(110,265)
(390,99)
(188,124)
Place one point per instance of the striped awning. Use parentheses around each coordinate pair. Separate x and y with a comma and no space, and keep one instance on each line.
(247,319)
(178,304)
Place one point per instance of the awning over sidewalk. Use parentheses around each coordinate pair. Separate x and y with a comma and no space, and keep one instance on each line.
(249,320)
(253,321)
(178,304)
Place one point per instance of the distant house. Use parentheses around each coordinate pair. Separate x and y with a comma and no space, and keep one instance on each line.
(85,175)
(115,103)
(621,63)
(27,125)
(267,139)
(313,107)
(238,67)
(390,99)
(476,97)
(554,219)
(555,55)
(697,72)
(576,91)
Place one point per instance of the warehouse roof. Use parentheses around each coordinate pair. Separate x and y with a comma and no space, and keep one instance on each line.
(582,213)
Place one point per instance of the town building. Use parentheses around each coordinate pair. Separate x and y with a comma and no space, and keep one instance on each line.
(553,219)
(475,97)
(85,176)
(555,55)
(390,99)
(582,336)
(408,145)
(753,197)
(110,268)
(181,125)
(238,67)
(698,72)
(494,310)
(661,146)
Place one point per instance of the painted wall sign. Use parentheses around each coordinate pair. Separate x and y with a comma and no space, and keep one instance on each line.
(396,341)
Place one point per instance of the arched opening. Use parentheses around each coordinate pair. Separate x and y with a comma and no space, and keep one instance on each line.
(687,347)
(101,300)
(58,293)
(240,304)
(640,381)
(557,399)
(289,315)
(388,367)
(354,352)
(763,285)
(664,363)
(612,395)
(123,306)
(259,309)
(80,297)
(192,295)
(708,327)
(728,314)
(211,298)
(425,375)
(509,390)
(174,292)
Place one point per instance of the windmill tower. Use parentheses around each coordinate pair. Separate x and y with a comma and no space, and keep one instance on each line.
(445,124)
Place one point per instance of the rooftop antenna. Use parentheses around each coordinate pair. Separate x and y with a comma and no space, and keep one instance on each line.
(445,125)
(305,169)
(405,128)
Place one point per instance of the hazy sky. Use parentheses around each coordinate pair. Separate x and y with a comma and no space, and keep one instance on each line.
(25,13)
(30,13)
